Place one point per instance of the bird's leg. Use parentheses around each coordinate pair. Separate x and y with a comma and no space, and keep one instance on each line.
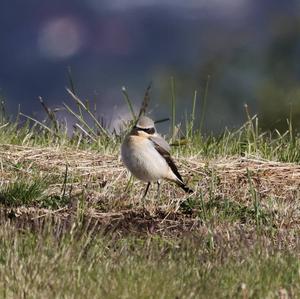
(158,189)
(146,191)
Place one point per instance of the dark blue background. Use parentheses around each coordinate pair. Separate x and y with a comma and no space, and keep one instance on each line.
(250,48)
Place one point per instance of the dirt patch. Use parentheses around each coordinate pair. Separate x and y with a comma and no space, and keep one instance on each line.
(136,222)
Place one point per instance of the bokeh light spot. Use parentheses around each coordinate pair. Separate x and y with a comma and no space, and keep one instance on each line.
(60,38)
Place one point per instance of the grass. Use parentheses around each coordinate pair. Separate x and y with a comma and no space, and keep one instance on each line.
(21,193)
(72,223)
(79,264)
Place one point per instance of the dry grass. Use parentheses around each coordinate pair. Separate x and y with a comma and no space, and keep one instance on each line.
(242,190)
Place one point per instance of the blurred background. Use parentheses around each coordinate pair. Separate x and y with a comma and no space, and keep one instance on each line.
(249,50)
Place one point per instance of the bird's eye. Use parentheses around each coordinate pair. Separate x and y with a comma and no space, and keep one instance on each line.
(149,131)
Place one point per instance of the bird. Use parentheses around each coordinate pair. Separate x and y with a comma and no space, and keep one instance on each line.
(146,154)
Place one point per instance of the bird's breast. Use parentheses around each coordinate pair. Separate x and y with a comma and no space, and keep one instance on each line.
(143,160)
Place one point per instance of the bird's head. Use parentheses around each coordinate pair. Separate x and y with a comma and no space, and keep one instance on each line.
(144,127)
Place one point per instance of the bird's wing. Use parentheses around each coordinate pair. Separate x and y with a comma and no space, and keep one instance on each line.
(164,151)
(157,139)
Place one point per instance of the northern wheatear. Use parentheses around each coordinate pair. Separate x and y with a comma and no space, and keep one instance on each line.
(147,156)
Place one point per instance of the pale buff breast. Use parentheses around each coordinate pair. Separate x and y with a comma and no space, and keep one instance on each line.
(142,159)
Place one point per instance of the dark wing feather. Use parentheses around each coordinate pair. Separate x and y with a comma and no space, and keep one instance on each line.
(168,159)
(164,153)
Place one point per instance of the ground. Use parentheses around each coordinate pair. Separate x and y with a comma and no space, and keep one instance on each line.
(236,236)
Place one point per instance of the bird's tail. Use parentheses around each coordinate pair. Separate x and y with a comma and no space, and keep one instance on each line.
(183,186)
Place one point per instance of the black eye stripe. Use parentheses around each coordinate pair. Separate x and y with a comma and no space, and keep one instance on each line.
(147,130)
